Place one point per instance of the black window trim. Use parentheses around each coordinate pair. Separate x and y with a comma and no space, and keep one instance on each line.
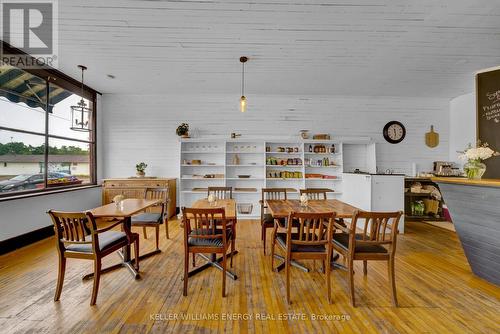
(51,76)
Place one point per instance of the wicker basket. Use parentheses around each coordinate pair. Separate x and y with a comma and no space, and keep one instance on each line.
(431,206)
(244,208)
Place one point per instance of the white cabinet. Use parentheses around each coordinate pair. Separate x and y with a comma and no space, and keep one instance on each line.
(375,192)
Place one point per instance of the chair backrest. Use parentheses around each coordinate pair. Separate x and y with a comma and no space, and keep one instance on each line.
(72,227)
(311,228)
(221,192)
(158,194)
(314,194)
(374,228)
(207,223)
(273,193)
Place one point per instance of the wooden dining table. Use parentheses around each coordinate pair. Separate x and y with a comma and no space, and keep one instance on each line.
(125,211)
(283,208)
(229,206)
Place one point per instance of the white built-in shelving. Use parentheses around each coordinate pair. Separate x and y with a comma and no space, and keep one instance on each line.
(217,157)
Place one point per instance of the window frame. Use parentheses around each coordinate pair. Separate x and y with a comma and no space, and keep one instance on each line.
(53,76)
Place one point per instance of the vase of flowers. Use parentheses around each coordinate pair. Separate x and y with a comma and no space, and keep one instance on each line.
(304,200)
(212,200)
(140,169)
(474,168)
(118,200)
(183,130)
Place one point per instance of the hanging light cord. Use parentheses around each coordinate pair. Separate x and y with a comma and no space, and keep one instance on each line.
(82,83)
(243,79)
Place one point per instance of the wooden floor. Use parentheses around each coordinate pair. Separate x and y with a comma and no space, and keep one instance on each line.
(437,293)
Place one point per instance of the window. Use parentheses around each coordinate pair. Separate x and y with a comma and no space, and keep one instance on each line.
(39,150)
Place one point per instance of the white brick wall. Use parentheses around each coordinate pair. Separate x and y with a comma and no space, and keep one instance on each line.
(142,127)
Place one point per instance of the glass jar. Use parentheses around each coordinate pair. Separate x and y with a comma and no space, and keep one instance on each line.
(474,169)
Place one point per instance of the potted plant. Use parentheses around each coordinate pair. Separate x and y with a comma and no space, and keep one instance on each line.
(474,168)
(183,130)
(140,168)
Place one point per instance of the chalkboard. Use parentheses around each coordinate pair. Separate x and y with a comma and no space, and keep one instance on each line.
(488,116)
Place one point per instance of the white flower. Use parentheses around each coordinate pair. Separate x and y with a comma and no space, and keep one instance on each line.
(477,153)
(118,198)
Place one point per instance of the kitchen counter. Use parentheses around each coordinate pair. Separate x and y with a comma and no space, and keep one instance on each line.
(469,182)
(474,209)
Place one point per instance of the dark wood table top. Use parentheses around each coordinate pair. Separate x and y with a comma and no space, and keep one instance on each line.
(131,206)
(282,208)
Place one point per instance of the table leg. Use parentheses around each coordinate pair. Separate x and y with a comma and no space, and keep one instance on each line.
(124,254)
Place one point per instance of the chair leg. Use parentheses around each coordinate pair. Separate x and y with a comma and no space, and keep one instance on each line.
(365,267)
(392,280)
(287,273)
(328,280)
(97,277)
(157,237)
(166,228)
(60,277)
(136,252)
(232,251)
(186,267)
(264,238)
(144,232)
(224,258)
(350,268)
(273,243)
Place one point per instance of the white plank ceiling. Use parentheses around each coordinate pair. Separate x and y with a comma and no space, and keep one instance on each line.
(341,47)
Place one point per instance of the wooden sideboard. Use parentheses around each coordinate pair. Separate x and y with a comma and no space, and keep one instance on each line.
(136,188)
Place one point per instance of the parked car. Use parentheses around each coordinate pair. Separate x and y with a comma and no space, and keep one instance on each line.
(33,181)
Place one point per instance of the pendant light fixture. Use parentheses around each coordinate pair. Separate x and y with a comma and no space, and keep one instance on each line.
(243,99)
(80,113)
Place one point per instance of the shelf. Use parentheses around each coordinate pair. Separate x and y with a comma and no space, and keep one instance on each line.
(333,166)
(243,152)
(244,178)
(207,152)
(285,166)
(184,165)
(287,153)
(284,179)
(202,178)
(247,165)
(320,179)
(331,154)
(410,194)
(246,192)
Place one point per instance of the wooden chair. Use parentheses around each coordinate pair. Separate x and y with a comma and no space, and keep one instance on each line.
(221,192)
(206,231)
(266,219)
(77,236)
(311,241)
(314,194)
(151,218)
(377,242)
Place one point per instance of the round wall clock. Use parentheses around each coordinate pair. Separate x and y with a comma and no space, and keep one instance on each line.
(394,132)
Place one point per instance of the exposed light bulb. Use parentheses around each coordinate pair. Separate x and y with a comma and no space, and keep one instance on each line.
(243,103)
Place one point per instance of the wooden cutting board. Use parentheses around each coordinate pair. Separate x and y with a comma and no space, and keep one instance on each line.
(432,138)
